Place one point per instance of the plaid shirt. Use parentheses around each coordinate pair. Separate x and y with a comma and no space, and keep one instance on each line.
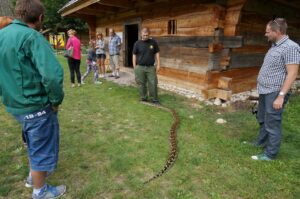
(273,71)
(114,45)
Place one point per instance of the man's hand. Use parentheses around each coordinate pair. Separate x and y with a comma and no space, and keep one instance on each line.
(157,68)
(278,103)
(55,108)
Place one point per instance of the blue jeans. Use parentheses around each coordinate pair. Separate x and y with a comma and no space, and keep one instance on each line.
(269,120)
(41,132)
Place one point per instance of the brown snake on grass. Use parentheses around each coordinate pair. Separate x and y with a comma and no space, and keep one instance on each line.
(173,152)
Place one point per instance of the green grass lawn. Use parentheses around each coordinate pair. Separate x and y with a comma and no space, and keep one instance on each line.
(111,144)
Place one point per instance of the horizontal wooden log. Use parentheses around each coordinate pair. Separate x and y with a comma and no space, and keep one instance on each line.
(182,84)
(241,60)
(200,41)
(199,20)
(186,65)
(215,47)
(243,79)
(219,93)
(224,83)
(203,31)
(196,78)
(171,51)
(244,84)
(251,49)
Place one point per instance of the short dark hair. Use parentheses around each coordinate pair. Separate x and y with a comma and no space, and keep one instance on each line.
(29,10)
(278,24)
(145,29)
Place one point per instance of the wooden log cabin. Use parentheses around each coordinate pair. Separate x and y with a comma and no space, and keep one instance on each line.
(213,47)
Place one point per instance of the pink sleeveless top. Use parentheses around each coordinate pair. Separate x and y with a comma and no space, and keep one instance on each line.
(75,42)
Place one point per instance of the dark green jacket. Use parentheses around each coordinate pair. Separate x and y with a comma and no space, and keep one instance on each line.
(30,75)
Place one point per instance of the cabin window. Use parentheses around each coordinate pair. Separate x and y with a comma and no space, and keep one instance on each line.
(172,27)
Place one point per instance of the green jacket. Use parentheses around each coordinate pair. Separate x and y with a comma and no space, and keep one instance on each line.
(30,75)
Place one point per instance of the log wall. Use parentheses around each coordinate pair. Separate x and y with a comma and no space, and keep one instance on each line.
(199,20)
(253,19)
(207,42)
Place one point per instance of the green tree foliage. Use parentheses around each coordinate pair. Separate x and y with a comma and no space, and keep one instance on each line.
(54,21)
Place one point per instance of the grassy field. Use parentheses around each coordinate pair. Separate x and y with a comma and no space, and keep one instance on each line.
(111,144)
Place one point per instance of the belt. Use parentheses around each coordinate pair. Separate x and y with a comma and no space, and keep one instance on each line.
(145,65)
(39,113)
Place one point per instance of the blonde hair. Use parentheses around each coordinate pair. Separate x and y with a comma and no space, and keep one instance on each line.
(72,32)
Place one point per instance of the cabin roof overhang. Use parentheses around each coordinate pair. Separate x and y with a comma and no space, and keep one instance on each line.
(96,8)
(99,8)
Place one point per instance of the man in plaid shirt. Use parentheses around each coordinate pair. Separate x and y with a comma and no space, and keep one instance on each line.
(114,47)
(278,72)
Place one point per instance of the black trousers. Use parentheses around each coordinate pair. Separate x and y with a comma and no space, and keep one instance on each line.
(74,66)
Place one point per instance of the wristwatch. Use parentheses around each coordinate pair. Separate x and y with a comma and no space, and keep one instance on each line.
(281,93)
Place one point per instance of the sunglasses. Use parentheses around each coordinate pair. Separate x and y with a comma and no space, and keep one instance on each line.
(276,22)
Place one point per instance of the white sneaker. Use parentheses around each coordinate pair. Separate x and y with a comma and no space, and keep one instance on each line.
(49,192)
(29,182)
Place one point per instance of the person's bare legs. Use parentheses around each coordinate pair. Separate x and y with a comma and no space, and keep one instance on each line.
(38,178)
(99,66)
(102,62)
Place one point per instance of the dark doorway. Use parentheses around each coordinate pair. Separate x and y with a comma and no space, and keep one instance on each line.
(131,36)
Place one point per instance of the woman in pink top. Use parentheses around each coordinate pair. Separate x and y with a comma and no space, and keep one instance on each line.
(74,61)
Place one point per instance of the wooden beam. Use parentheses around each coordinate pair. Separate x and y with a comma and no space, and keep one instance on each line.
(290,3)
(200,41)
(224,83)
(219,93)
(85,12)
(117,3)
(75,8)
(215,47)
(100,8)
(195,78)
(81,16)
(96,12)
(233,16)
(243,79)
(240,60)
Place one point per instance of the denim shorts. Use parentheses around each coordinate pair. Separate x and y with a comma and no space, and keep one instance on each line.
(41,133)
(100,56)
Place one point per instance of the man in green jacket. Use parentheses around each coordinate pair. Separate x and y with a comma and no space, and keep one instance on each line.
(31,87)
